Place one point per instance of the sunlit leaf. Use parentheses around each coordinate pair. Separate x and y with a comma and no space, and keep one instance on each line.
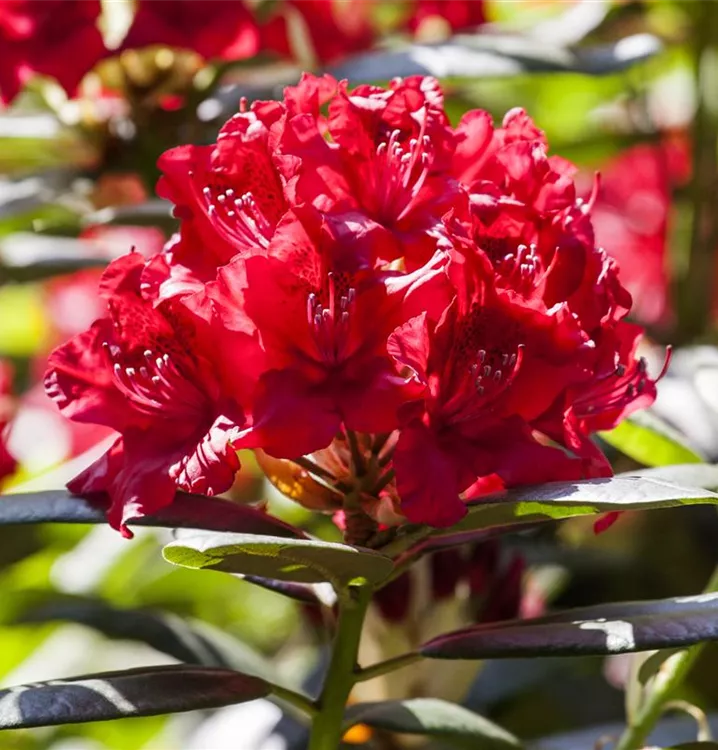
(559,500)
(305,561)
(693,475)
(147,691)
(646,438)
(186,511)
(433,717)
(599,630)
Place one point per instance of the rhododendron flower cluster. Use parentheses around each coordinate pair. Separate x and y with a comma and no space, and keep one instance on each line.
(398,315)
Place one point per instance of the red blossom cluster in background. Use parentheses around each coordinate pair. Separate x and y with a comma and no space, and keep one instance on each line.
(7,461)
(61,38)
(632,217)
(353,272)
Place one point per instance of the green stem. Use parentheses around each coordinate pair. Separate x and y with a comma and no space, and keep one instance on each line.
(384,667)
(327,726)
(666,682)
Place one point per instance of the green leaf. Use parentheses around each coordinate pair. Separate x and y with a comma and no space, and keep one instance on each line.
(695,746)
(148,691)
(31,142)
(559,500)
(302,560)
(186,511)
(433,717)
(600,630)
(646,438)
(190,642)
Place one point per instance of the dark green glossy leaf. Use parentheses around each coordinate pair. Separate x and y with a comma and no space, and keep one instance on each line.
(433,717)
(186,511)
(302,560)
(192,643)
(148,691)
(695,746)
(559,500)
(496,55)
(603,629)
(646,438)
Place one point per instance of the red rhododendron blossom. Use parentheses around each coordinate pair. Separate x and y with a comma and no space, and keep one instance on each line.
(323,316)
(386,158)
(56,38)
(142,372)
(223,29)
(491,366)
(420,309)
(229,196)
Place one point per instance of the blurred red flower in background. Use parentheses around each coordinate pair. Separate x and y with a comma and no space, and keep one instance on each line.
(57,38)
(7,461)
(318,31)
(456,14)
(215,29)
(631,217)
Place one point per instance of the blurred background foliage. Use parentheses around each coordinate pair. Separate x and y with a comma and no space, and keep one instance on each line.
(615,85)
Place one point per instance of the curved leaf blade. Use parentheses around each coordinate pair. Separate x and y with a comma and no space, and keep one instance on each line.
(189,642)
(433,717)
(589,631)
(299,560)
(695,475)
(496,55)
(559,500)
(187,511)
(149,691)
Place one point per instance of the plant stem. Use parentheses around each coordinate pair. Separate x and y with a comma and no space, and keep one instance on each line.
(695,289)
(666,682)
(384,667)
(327,726)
